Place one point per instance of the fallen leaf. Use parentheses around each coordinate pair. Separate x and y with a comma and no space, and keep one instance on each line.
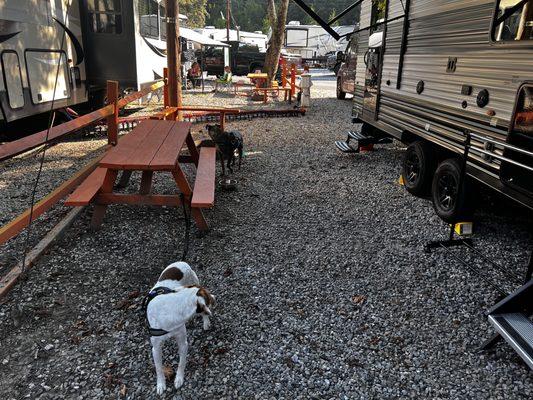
(221,350)
(75,340)
(123,390)
(134,294)
(358,300)
(119,325)
(168,371)
(123,304)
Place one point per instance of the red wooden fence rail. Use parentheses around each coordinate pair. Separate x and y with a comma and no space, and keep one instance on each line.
(110,112)
(11,149)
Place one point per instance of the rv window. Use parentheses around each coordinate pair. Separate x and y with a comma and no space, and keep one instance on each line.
(105,16)
(513,21)
(149,18)
(13,79)
(162,18)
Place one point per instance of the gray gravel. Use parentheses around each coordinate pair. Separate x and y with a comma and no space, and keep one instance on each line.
(323,289)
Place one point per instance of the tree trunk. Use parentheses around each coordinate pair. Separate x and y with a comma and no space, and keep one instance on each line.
(277,22)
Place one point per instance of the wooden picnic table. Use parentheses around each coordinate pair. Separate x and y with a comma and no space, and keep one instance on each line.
(260,79)
(153,146)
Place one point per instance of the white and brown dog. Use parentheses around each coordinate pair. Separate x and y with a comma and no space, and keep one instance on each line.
(174,300)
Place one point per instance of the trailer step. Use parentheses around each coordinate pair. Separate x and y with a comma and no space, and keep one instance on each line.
(511,319)
(356,140)
(345,147)
(517,330)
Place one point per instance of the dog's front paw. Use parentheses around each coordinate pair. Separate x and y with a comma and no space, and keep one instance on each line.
(161,387)
(207,324)
(178,382)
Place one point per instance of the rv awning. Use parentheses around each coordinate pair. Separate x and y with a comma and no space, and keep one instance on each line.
(196,37)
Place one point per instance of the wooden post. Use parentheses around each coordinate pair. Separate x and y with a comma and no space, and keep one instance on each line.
(112,120)
(283,73)
(293,79)
(173,55)
(165,88)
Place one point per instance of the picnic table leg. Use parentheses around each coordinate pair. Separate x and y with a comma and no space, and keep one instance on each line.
(193,150)
(100,209)
(183,185)
(146,182)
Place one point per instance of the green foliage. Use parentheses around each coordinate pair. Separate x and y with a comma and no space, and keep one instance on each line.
(195,10)
(250,14)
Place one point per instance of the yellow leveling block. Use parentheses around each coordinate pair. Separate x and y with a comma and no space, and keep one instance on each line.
(464,228)
(401,182)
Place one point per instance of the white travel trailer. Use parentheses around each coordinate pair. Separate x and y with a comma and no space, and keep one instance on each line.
(312,41)
(432,74)
(256,38)
(40,39)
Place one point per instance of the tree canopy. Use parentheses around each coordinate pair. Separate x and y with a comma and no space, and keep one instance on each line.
(250,15)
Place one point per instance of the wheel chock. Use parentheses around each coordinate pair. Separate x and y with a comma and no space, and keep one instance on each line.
(464,228)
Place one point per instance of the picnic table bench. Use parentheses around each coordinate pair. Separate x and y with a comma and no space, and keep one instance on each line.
(153,146)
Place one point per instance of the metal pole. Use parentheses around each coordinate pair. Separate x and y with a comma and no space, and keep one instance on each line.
(173,54)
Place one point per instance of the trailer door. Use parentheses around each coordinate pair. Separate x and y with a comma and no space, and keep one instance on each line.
(374,59)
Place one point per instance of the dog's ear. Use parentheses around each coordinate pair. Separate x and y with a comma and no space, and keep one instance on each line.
(204,301)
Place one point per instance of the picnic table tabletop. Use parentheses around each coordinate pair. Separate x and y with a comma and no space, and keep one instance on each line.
(154,145)
(257,75)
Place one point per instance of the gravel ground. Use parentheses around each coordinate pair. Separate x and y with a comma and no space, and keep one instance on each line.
(323,289)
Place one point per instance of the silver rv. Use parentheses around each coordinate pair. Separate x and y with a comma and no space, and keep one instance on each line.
(31,54)
(431,73)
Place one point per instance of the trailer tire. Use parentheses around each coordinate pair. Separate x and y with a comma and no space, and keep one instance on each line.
(450,207)
(340,94)
(419,165)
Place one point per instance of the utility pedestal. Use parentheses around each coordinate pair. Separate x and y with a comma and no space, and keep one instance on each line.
(306,90)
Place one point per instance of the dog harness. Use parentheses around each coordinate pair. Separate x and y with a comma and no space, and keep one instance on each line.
(158,291)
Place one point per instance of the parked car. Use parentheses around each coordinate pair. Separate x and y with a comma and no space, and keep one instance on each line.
(346,64)
(244,58)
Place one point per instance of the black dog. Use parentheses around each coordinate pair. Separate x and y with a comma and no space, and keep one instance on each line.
(227,143)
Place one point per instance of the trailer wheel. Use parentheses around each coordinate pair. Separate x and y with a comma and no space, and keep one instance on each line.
(340,94)
(418,168)
(450,204)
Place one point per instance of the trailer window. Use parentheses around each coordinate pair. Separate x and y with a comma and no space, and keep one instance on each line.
(163,19)
(13,79)
(105,16)
(149,18)
(513,21)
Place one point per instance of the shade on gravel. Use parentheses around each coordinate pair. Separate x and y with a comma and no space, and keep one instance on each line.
(322,286)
